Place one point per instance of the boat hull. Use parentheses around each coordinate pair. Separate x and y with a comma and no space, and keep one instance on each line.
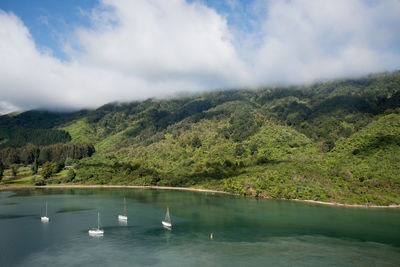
(44,219)
(166,224)
(122,218)
(96,232)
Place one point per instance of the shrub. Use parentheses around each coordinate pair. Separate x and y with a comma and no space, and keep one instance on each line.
(1,170)
(14,169)
(38,181)
(70,161)
(34,167)
(263,160)
(47,170)
(196,142)
(239,150)
(70,175)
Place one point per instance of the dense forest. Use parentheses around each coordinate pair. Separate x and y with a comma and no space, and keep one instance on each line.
(330,141)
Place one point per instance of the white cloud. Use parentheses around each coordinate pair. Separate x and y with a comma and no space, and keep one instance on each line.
(6,107)
(139,49)
(160,39)
(136,49)
(308,40)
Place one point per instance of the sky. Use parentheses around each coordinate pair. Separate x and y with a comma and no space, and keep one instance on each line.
(74,54)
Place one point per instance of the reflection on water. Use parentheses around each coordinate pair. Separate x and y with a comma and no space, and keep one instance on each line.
(208,230)
(9,203)
(71,209)
(123,223)
(13,216)
(167,234)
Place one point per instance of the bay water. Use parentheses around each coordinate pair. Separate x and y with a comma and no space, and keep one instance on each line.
(245,231)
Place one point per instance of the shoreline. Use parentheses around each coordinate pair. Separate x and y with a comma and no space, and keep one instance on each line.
(118,186)
(193,190)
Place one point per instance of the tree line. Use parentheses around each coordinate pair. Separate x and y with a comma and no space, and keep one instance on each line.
(41,154)
(17,136)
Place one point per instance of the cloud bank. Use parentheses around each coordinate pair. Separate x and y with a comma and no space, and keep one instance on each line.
(154,48)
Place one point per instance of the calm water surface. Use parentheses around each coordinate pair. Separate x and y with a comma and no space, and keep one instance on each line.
(246,232)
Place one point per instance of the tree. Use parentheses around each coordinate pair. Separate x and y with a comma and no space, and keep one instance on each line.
(47,170)
(69,161)
(1,170)
(328,146)
(253,148)
(44,155)
(70,175)
(34,167)
(58,166)
(28,153)
(38,181)
(239,150)
(196,142)
(14,169)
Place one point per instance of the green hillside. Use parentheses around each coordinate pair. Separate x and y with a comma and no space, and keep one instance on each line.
(331,141)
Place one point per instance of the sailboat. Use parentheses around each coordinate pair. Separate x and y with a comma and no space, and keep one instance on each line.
(167,221)
(45,218)
(123,218)
(98,231)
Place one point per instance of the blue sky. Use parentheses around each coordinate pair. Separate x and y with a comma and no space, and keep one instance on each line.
(71,54)
(50,20)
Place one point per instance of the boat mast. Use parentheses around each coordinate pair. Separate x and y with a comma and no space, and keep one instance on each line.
(125,207)
(46,209)
(167,218)
(98,220)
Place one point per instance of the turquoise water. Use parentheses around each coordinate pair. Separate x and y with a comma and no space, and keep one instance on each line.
(246,232)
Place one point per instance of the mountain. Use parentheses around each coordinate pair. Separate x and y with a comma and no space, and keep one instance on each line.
(331,141)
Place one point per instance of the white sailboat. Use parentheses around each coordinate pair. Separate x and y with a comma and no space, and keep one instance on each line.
(123,218)
(45,218)
(167,221)
(98,231)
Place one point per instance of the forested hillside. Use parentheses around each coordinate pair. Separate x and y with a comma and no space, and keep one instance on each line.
(331,141)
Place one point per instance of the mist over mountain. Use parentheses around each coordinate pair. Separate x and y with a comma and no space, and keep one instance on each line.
(331,141)
(72,55)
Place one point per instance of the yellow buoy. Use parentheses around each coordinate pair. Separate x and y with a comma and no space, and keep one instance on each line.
(211,236)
